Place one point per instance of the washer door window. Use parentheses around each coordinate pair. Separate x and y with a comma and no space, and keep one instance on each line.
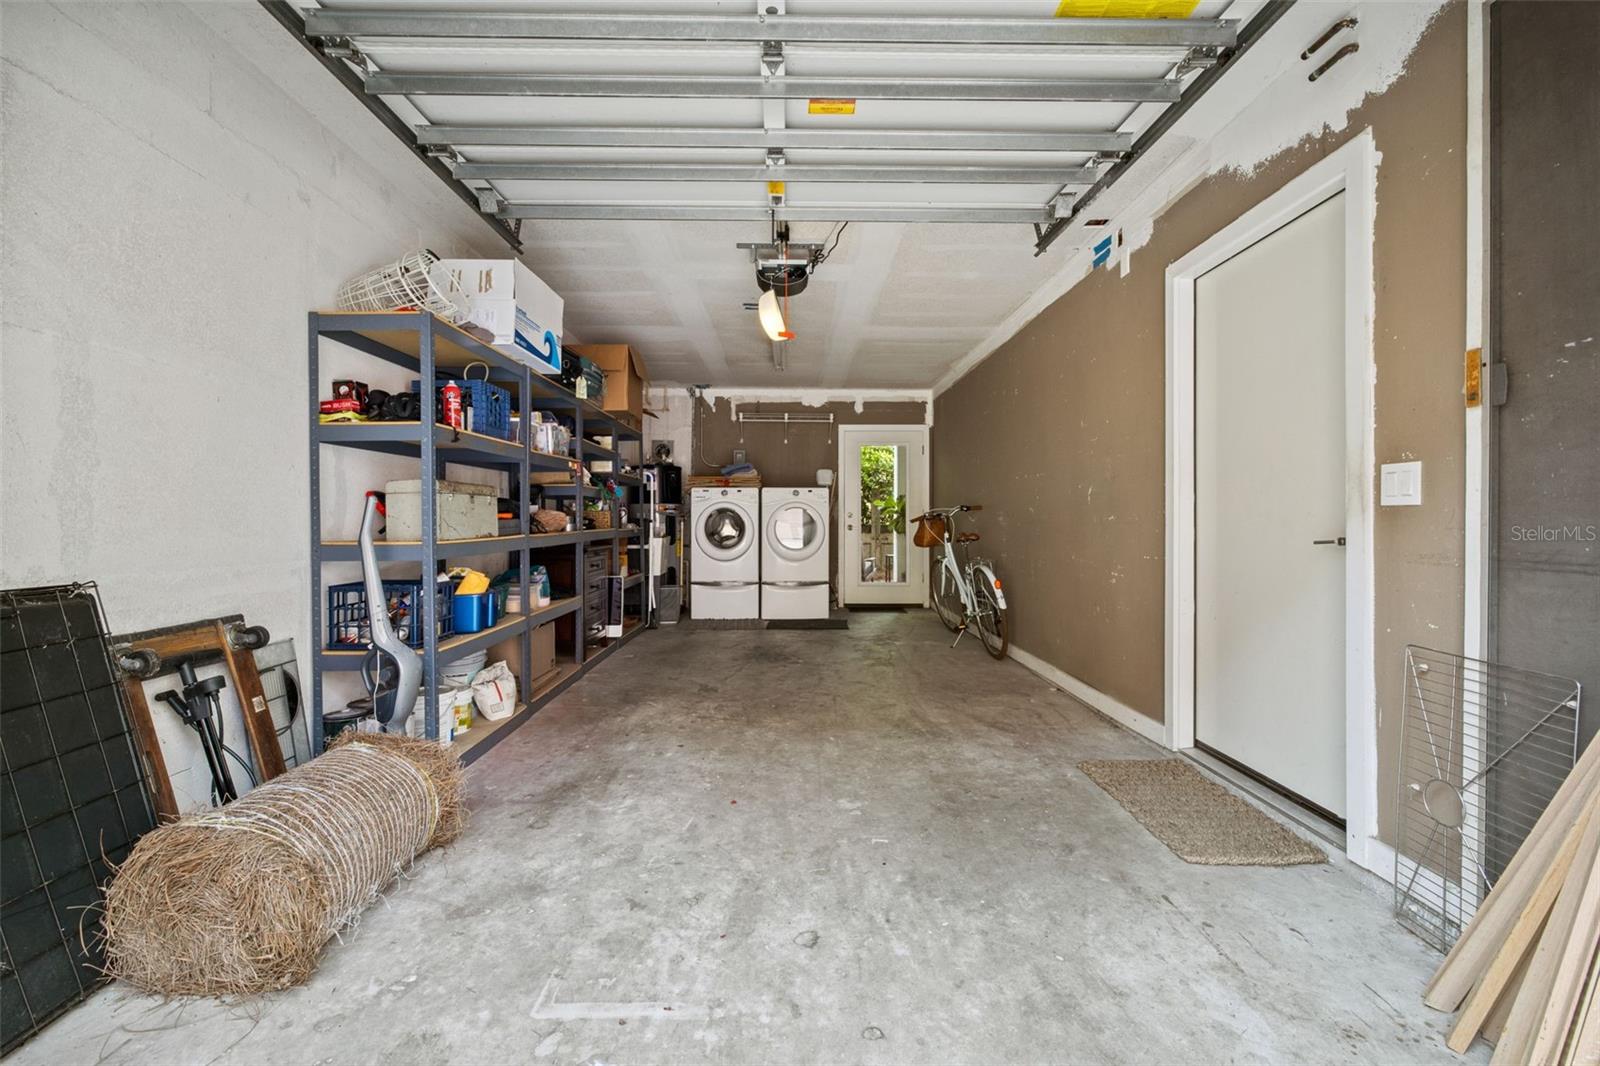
(725,532)
(795,531)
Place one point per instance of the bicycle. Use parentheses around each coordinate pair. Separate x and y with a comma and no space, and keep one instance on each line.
(963,595)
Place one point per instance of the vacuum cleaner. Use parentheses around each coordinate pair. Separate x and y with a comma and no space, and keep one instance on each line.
(392,669)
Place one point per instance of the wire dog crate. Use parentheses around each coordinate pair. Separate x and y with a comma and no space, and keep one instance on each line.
(410,282)
(1483,749)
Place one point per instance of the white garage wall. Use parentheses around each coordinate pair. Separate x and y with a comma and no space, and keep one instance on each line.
(180,184)
(673,422)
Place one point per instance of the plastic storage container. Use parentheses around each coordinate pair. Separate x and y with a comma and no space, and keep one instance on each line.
(669,603)
(348,625)
(475,612)
(490,406)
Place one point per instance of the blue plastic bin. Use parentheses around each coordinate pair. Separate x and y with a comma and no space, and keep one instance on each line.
(474,612)
(491,405)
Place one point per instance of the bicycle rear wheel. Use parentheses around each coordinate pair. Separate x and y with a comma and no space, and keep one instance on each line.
(947,600)
(990,619)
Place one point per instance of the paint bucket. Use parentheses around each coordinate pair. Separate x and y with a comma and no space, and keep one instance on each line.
(461,671)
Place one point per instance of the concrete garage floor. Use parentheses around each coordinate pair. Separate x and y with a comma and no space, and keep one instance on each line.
(825,846)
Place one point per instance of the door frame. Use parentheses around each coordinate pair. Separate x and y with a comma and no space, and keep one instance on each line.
(849,547)
(1352,170)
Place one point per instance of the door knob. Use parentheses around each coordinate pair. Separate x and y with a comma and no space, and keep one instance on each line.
(1331,540)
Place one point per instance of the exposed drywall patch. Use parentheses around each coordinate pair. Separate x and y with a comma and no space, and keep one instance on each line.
(1275,118)
(1264,107)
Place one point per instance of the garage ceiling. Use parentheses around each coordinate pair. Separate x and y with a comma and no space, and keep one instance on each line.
(631,146)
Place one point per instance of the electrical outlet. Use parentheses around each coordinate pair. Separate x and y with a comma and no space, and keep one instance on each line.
(739,455)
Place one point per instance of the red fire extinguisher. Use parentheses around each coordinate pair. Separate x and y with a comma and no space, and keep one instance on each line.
(450,397)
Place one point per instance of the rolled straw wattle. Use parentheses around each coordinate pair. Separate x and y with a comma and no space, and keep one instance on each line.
(240,900)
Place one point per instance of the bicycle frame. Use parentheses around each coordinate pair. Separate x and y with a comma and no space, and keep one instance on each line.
(964,579)
(947,560)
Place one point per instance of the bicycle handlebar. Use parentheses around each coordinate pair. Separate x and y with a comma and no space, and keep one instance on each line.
(937,511)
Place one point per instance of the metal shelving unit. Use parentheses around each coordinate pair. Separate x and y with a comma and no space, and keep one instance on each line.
(423,344)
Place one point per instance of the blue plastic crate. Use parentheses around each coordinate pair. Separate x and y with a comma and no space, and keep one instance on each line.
(348,625)
(491,406)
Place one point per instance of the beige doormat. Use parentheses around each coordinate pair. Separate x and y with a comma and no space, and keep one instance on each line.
(1201,821)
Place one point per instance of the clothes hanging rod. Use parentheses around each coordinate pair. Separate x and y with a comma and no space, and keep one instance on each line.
(785,418)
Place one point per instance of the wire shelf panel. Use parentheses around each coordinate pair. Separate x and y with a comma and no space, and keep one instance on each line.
(1483,749)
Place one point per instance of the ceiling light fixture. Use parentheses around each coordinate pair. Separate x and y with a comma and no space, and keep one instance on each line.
(771,316)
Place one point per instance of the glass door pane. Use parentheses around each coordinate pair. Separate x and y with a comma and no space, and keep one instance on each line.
(884,555)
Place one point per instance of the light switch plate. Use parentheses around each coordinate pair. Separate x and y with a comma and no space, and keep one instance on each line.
(1400,484)
(739,455)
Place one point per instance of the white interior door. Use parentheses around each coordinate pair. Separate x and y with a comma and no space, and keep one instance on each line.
(883,479)
(1270,508)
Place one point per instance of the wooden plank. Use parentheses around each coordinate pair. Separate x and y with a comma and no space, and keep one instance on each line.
(1495,1024)
(1491,988)
(181,642)
(1522,1027)
(1572,967)
(1583,1048)
(253,706)
(1482,939)
(158,780)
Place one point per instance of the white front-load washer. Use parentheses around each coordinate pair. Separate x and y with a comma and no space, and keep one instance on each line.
(725,562)
(794,553)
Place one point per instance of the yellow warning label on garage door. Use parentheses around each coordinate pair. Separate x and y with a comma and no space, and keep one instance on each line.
(1126,9)
(832,107)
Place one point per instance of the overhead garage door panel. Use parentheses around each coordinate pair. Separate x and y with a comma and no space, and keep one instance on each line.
(992,113)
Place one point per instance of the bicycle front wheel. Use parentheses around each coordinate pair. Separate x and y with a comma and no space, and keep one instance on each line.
(947,600)
(990,619)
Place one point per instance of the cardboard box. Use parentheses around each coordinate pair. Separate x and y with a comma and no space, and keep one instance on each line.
(544,655)
(545,663)
(509,300)
(625,375)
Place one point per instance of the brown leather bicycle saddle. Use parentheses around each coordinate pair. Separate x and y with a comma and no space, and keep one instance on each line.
(967,538)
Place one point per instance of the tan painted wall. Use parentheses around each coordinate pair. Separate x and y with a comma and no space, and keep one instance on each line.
(789,456)
(1060,433)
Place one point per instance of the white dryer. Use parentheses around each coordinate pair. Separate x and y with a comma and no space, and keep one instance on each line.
(794,553)
(725,562)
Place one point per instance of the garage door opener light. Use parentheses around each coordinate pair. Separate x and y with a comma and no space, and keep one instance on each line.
(772,317)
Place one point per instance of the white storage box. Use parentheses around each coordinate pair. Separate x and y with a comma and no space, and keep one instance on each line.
(508,299)
(463,510)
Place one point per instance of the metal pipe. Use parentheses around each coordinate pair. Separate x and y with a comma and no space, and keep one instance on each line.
(743,87)
(671,137)
(1062,175)
(603,26)
(1350,49)
(1347,23)
(1025,215)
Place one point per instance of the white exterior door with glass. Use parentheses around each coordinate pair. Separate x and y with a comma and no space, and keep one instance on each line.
(883,480)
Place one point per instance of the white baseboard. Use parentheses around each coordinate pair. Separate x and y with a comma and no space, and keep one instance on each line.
(1377,857)
(1109,706)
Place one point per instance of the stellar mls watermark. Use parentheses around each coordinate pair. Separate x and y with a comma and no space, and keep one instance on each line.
(1548,534)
